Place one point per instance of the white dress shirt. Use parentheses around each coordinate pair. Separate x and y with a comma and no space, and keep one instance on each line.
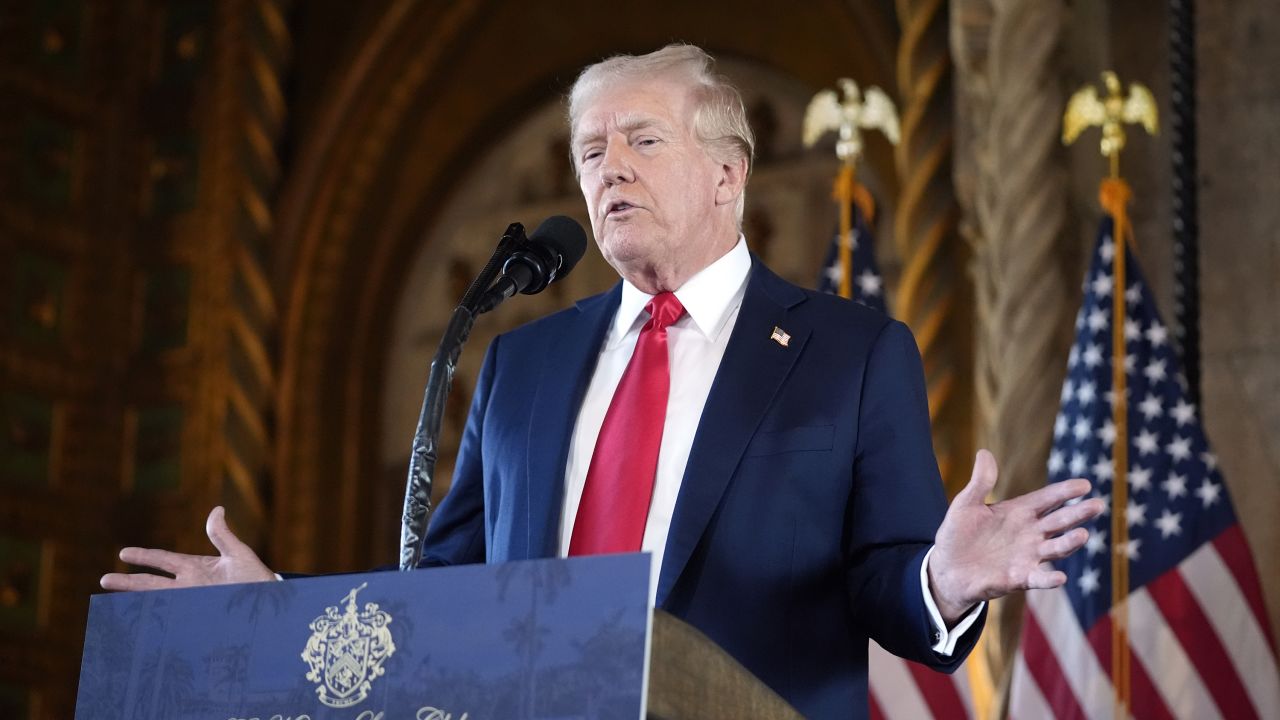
(711,299)
(696,341)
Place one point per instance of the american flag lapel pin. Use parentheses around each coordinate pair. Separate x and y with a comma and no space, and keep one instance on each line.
(780,336)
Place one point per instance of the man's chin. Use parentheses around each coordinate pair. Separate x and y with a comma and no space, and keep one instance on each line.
(627,245)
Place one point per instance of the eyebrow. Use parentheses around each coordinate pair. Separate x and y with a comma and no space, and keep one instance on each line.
(627,123)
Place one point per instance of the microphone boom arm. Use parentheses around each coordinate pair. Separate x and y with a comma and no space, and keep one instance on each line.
(528,265)
(426,439)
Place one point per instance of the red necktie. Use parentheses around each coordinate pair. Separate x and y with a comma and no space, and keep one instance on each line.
(615,500)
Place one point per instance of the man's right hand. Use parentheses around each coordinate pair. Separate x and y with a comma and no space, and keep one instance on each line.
(235,563)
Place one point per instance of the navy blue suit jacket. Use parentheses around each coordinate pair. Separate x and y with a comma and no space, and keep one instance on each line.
(809,500)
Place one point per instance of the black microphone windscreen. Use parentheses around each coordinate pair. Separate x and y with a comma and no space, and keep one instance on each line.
(566,237)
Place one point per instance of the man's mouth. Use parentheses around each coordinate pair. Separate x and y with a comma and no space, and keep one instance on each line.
(618,207)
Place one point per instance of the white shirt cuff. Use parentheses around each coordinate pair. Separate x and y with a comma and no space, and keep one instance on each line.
(944,640)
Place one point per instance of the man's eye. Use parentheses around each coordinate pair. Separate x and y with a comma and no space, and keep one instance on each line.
(590,155)
(647,141)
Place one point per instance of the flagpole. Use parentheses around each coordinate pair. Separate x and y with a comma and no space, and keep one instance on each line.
(1084,110)
(844,193)
(1114,194)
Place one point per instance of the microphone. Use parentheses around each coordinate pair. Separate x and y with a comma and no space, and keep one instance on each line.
(531,265)
(549,254)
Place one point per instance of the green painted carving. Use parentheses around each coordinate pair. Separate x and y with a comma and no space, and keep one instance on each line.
(185,44)
(26,439)
(20,568)
(48,162)
(15,702)
(37,288)
(165,308)
(56,33)
(158,450)
(173,175)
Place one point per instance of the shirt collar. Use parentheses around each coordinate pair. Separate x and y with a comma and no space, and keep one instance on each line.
(708,296)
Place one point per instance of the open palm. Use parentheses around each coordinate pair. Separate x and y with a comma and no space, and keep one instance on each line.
(234,563)
(985,551)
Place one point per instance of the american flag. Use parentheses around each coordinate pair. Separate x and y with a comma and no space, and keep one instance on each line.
(868,285)
(1199,639)
(904,690)
(900,689)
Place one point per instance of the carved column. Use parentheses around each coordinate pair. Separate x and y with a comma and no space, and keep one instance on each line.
(254,54)
(933,294)
(136,169)
(1013,186)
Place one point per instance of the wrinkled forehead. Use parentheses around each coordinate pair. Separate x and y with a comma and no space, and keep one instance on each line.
(592,128)
(628,105)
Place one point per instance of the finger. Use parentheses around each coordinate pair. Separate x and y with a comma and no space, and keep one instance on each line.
(170,562)
(220,534)
(1055,494)
(1045,578)
(981,482)
(129,582)
(1063,545)
(1070,516)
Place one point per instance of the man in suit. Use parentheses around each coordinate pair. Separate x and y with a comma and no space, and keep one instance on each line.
(768,444)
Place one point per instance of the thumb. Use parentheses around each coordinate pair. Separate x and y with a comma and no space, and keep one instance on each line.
(220,534)
(982,482)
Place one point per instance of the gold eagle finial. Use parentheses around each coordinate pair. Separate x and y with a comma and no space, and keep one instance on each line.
(849,117)
(1086,109)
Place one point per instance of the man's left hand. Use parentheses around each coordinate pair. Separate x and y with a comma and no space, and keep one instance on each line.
(982,551)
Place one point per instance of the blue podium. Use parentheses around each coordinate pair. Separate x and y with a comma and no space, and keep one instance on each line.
(571,638)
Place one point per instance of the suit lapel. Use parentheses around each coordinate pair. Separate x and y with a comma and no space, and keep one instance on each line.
(568,362)
(754,361)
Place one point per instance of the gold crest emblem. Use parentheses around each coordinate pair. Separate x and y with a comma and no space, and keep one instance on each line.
(347,649)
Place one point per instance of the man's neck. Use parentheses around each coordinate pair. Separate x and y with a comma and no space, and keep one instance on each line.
(653,279)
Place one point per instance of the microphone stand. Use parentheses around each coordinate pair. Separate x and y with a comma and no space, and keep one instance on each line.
(422,458)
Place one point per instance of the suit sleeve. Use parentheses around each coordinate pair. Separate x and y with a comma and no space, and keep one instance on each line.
(896,505)
(456,535)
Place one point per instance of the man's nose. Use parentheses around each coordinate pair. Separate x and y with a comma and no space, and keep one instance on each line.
(615,166)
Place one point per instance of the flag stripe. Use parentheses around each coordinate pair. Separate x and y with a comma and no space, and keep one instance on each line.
(939,691)
(1154,644)
(1047,673)
(1090,680)
(1144,701)
(1210,581)
(873,706)
(970,677)
(1026,702)
(894,688)
(1234,550)
(1188,623)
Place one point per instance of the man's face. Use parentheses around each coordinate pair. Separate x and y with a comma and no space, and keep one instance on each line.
(650,187)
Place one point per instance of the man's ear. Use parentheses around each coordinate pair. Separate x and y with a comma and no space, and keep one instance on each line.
(733,180)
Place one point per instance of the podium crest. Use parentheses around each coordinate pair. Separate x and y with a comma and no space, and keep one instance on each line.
(346,651)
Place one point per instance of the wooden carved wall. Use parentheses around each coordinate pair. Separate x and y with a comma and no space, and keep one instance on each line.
(137,174)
